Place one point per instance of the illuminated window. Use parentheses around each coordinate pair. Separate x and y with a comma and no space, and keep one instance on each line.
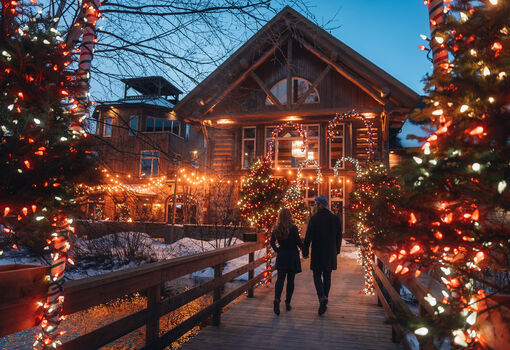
(288,152)
(336,197)
(249,141)
(299,88)
(107,131)
(337,147)
(149,164)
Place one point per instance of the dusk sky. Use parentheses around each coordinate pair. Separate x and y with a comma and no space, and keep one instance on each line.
(385,32)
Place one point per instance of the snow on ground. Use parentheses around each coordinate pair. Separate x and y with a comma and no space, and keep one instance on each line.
(158,251)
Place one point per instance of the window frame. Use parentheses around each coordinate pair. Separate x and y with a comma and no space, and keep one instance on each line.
(152,158)
(163,126)
(108,126)
(268,102)
(343,148)
(294,138)
(254,139)
(331,200)
(134,132)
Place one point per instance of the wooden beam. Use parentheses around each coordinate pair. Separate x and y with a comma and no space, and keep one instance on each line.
(272,114)
(363,86)
(243,76)
(313,86)
(268,92)
(289,72)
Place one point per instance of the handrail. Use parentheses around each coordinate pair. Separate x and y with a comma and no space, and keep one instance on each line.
(393,305)
(493,331)
(85,293)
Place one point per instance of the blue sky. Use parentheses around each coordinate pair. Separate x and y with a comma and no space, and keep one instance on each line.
(385,32)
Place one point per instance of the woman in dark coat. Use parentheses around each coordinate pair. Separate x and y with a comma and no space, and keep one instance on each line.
(285,241)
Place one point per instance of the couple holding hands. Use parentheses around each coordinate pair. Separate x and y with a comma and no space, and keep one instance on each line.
(324,234)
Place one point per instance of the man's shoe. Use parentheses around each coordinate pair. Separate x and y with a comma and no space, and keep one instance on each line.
(276,307)
(287,306)
(322,307)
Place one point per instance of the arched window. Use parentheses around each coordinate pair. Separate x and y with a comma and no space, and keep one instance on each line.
(299,88)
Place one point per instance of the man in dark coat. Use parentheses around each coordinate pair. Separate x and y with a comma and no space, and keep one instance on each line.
(324,233)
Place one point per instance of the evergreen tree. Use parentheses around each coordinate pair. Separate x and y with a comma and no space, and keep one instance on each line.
(293,200)
(261,196)
(374,214)
(457,187)
(42,154)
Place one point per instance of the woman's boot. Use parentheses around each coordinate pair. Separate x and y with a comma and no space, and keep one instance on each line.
(287,305)
(276,307)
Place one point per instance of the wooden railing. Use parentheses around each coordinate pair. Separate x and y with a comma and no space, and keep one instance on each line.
(492,327)
(148,280)
(387,287)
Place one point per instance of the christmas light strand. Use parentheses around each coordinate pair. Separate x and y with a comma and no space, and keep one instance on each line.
(349,116)
(277,132)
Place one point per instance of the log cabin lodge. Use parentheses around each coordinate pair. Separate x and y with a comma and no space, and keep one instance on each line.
(290,70)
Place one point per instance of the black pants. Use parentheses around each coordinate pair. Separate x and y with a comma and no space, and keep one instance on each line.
(322,281)
(278,288)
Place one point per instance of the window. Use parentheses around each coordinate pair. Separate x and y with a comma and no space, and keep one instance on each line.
(107,131)
(133,126)
(310,190)
(299,88)
(336,197)
(249,140)
(149,164)
(336,147)
(186,132)
(160,125)
(287,148)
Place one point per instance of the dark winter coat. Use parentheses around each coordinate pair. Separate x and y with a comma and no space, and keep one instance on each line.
(324,233)
(287,258)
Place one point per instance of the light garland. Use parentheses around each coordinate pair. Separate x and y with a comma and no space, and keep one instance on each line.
(353,115)
(305,163)
(276,132)
(340,162)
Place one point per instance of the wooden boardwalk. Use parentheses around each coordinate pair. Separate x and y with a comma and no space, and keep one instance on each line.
(353,320)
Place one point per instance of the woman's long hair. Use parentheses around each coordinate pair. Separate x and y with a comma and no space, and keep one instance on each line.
(282,229)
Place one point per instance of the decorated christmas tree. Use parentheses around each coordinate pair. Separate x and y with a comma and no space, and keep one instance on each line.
(456,189)
(374,214)
(261,198)
(293,200)
(42,155)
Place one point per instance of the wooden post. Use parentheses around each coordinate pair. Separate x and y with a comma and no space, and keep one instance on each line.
(289,73)
(152,326)
(217,295)
(251,273)
(172,228)
(396,285)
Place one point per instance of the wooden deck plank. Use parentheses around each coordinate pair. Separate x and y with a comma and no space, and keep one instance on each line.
(353,320)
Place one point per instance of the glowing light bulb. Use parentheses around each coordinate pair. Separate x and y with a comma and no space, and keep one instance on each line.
(421,331)
(476,166)
(493,2)
(486,71)
(417,160)
(464,108)
(501,186)
(491,99)
(439,39)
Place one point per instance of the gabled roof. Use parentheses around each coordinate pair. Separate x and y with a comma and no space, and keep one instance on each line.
(152,86)
(358,69)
